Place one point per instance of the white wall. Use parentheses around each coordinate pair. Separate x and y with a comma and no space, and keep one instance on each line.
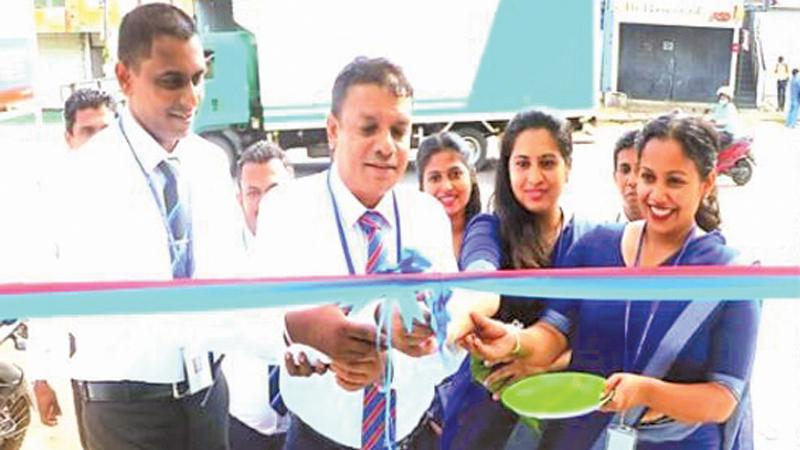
(62,60)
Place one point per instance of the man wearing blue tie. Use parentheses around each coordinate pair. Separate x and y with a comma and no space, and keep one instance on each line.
(353,219)
(148,200)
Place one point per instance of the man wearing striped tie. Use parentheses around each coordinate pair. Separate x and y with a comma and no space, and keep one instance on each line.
(353,219)
(146,199)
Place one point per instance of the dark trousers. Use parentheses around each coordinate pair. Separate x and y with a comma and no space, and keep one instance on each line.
(301,437)
(79,415)
(782,94)
(182,424)
(242,437)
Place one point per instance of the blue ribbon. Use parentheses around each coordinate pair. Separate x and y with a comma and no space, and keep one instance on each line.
(661,284)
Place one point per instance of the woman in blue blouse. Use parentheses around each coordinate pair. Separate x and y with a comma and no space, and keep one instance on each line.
(693,405)
(528,229)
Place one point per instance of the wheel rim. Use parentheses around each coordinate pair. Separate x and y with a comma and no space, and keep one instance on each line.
(742,173)
(474,149)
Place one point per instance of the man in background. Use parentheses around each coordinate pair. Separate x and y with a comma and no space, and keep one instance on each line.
(255,423)
(86,112)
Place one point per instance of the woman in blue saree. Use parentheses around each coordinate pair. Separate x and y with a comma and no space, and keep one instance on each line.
(700,401)
(528,229)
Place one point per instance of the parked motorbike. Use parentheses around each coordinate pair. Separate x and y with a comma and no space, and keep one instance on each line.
(15,399)
(736,160)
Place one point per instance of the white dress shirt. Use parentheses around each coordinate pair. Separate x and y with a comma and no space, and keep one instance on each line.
(299,237)
(248,376)
(110,227)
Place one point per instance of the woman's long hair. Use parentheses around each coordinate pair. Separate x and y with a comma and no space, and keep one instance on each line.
(700,143)
(450,142)
(520,230)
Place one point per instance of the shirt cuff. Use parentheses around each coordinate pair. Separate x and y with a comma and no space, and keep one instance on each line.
(480,265)
(557,320)
(733,384)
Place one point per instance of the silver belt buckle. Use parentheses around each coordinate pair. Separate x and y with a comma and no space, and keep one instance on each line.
(176,393)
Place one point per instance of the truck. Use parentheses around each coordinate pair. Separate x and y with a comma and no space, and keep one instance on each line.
(17,54)
(473,65)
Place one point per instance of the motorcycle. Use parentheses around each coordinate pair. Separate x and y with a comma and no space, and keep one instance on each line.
(15,398)
(736,160)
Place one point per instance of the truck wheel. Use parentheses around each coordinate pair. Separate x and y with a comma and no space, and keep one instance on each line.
(229,147)
(742,172)
(476,144)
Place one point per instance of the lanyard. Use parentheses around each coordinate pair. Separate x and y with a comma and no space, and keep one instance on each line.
(150,184)
(629,364)
(340,228)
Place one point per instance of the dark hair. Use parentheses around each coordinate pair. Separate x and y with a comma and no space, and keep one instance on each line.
(700,143)
(261,152)
(520,230)
(85,99)
(627,140)
(794,71)
(363,70)
(450,142)
(145,23)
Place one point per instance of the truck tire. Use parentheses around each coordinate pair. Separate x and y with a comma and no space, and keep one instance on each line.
(230,148)
(476,145)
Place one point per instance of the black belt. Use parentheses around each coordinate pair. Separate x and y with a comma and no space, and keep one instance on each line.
(129,391)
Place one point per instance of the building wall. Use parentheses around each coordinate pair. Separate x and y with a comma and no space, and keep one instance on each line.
(63,59)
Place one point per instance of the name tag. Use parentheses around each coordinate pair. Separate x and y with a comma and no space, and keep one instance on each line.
(620,437)
(197,366)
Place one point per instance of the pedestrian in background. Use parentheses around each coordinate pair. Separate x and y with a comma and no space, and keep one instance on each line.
(794,102)
(782,76)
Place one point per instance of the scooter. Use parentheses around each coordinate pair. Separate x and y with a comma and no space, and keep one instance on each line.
(737,161)
(15,398)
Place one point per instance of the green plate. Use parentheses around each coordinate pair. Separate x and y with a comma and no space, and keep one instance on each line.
(555,395)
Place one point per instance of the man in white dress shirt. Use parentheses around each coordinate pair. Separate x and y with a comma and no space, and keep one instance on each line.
(314,227)
(147,200)
(254,423)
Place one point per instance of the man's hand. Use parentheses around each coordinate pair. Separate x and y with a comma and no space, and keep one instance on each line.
(302,367)
(357,375)
(327,329)
(420,341)
(46,403)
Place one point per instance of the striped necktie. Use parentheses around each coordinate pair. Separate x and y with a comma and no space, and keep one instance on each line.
(374,421)
(176,211)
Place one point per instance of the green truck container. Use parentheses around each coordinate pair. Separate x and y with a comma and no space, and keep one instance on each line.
(473,64)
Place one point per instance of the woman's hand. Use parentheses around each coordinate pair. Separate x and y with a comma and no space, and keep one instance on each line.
(627,391)
(505,375)
(491,340)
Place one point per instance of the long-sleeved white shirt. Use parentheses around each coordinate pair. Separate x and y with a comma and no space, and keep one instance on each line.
(108,226)
(298,237)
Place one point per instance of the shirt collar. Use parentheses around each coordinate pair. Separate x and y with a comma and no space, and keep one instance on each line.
(351,209)
(148,150)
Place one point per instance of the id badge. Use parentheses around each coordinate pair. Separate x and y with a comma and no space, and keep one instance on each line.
(197,366)
(620,437)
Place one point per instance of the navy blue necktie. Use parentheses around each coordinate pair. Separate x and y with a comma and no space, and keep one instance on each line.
(275,399)
(176,211)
